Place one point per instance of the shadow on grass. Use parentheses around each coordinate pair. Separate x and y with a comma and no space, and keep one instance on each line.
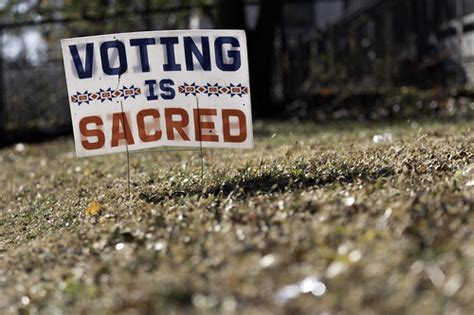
(267,183)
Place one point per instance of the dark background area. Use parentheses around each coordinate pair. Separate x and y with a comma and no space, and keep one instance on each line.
(309,59)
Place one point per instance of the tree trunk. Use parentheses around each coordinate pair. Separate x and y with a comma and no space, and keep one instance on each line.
(262,55)
(231,15)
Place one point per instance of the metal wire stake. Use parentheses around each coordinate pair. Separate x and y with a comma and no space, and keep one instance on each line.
(200,144)
(128,156)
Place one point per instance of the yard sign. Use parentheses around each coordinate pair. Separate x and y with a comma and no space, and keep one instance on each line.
(133,91)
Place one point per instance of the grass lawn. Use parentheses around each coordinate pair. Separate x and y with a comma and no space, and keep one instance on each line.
(316,218)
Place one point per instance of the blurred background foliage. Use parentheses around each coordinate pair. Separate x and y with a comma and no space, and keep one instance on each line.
(309,59)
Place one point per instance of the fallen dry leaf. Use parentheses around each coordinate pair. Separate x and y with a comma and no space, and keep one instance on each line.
(93,209)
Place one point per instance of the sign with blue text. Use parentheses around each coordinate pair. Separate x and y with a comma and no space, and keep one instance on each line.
(133,91)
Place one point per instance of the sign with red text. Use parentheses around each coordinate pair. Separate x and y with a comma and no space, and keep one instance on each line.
(133,91)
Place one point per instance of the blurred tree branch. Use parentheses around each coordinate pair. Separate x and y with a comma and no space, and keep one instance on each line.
(227,14)
(22,13)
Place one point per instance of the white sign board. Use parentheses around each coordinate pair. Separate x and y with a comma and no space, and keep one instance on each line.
(162,88)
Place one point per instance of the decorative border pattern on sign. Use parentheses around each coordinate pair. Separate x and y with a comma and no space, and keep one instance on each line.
(213,89)
(105,95)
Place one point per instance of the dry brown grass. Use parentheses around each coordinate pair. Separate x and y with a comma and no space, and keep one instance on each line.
(373,228)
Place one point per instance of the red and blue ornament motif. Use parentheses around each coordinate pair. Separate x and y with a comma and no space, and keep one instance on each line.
(213,89)
(105,95)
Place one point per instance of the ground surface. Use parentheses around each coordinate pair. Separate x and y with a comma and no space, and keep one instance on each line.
(314,219)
